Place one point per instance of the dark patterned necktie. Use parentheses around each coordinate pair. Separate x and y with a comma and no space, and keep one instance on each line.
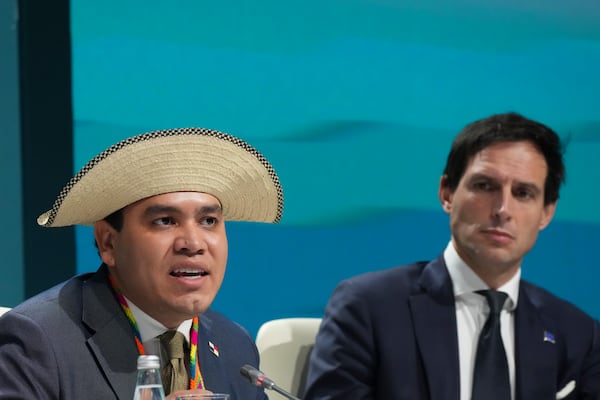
(174,374)
(490,377)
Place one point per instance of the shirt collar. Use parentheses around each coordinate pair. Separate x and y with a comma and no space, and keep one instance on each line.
(464,280)
(150,328)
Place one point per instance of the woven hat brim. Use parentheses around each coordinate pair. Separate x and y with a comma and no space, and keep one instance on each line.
(176,160)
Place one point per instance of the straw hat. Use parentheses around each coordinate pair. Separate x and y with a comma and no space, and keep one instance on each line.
(173,160)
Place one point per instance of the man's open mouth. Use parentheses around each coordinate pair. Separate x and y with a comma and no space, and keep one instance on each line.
(188,273)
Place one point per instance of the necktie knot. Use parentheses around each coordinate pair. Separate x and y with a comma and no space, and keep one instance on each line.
(495,300)
(174,374)
(173,342)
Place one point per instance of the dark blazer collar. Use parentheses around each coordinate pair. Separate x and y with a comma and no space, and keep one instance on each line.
(536,350)
(434,316)
(111,337)
(433,310)
(212,368)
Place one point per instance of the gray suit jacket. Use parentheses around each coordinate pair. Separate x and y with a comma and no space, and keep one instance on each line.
(74,342)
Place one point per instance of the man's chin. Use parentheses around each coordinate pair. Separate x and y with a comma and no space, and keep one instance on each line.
(193,307)
(499,262)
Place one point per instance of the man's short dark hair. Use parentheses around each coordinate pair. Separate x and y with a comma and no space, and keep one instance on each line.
(509,127)
(116,219)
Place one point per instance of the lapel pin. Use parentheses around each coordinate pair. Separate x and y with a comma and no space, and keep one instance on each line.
(549,337)
(213,348)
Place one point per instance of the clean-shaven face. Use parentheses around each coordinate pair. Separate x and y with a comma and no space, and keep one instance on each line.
(497,209)
(169,258)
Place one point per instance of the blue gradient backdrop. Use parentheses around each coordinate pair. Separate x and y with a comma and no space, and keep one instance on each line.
(355,102)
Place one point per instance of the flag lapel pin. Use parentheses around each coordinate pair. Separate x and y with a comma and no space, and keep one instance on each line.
(213,348)
(549,337)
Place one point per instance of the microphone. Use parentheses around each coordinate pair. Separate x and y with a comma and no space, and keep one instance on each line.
(259,379)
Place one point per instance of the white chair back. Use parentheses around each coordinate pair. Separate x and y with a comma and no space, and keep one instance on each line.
(285,346)
(3,310)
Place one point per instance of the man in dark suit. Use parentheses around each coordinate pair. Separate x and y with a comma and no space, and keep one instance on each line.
(158,203)
(465,326)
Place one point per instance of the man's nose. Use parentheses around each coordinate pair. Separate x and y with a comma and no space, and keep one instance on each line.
(503,204)
(190,240)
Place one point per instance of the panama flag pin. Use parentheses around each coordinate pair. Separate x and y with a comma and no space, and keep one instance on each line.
(213,348)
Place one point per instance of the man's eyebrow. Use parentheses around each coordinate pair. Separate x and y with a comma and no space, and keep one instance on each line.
(481,175)
(157,209)
(528,185)
(216,208)
(160,209)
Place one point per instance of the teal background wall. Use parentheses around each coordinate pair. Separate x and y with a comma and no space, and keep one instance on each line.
(11,244)
(355,102)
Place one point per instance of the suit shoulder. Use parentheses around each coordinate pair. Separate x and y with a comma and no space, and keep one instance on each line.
(393,276)
(218,323)
(396,281)
(54,300)
(550,304)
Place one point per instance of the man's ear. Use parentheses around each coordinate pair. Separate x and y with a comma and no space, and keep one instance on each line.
(445,194)
(547,215)
(105,236)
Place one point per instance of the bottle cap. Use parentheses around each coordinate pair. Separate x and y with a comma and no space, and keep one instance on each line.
(148,361)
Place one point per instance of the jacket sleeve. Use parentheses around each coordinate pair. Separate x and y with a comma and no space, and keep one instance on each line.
(28,368)
(343,364)
(590,374)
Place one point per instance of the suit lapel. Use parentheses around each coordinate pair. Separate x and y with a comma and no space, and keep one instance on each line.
(210,365)
(111,340)
(535,351)
(434,317)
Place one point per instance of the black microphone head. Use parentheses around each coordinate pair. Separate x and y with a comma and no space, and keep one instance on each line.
(256,377)
(251,373)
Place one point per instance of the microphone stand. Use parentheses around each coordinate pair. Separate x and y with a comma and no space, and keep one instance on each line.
(258,378)
(282,392)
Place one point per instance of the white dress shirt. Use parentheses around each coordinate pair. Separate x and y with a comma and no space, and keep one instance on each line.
(471,313)
(151,328)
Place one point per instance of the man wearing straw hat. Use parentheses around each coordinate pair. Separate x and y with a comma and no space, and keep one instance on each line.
(158,203)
